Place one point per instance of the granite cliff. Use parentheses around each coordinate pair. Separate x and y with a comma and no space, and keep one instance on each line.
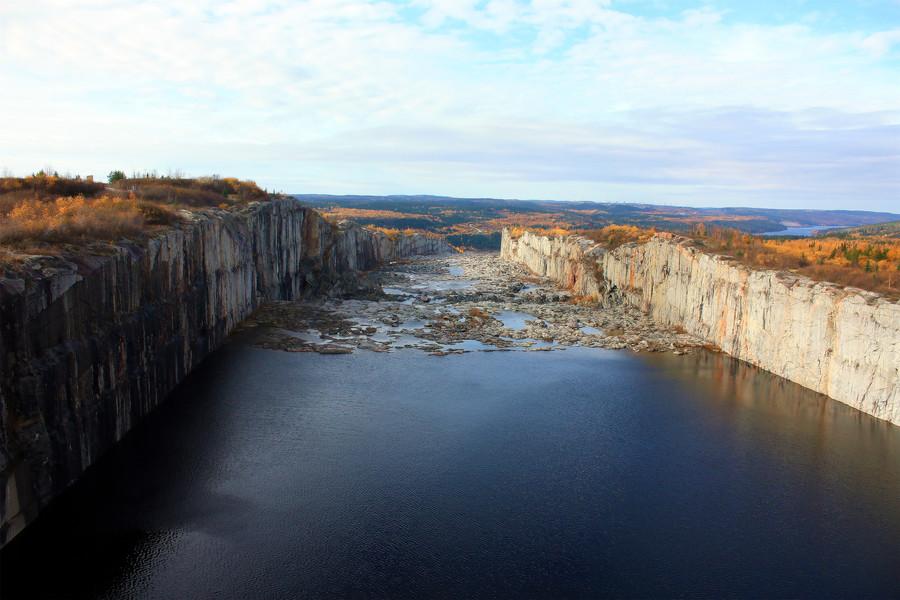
(841,342)
(92,342)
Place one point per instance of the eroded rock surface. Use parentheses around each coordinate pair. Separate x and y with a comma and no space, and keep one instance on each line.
(459,303)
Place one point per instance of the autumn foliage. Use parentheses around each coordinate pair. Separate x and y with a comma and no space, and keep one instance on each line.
(41,210)
(868,258)
(613,236)
(76,218)
(516,232)
(203,191)
(16,189)
(867,262)
(394,233)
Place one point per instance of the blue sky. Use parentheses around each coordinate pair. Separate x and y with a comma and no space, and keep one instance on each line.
(769,103)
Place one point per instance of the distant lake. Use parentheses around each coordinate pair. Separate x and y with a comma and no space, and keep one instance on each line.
(802,231)
(577,473)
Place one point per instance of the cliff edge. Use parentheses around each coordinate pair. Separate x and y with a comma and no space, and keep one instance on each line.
(841,342)
(91,343)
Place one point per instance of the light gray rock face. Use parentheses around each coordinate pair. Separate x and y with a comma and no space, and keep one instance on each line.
(571,261)
(90,344)
(842,342)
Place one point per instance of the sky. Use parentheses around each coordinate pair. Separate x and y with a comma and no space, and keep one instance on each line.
(770,103)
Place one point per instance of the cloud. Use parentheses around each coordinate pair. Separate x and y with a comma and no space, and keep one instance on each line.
(881,43)
(730,149)
(550,92)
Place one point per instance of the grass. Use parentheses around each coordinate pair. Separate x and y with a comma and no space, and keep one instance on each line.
(201,192)
(41,212)
(75,219)
(516,232)
(47,185)
(613,236)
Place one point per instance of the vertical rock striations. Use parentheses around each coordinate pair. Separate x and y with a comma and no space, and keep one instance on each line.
(90,344)
(841,342)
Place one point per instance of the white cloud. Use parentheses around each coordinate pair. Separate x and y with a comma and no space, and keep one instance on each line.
(100,76)
(881,43)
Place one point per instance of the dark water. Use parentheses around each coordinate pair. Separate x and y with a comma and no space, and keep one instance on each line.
(566,474)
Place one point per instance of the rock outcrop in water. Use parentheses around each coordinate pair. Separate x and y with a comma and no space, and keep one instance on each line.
(841,342)
(90,344)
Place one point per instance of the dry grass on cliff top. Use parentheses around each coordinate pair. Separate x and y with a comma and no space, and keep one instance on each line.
(857,259)
(517,231)
(543,221)
(613,236)
(42,213)
(866,262)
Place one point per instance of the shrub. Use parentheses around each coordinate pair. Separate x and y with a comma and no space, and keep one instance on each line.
(71,219)
(43,186)
(41,210)
(861,261)
(390,232)
(158,214)
(613,236)
(516,231)
(200,192)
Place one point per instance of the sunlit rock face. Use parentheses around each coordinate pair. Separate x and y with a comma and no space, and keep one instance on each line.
(90,344)
(842,342)
(569,260)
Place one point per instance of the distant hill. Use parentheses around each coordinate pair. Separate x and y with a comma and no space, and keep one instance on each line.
(477,221)
(886,230)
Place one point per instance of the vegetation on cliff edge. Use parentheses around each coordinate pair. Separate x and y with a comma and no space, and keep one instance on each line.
(42,213)
(869,262)
(867,258)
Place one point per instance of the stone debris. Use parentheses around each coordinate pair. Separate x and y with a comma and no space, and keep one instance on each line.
(453,304)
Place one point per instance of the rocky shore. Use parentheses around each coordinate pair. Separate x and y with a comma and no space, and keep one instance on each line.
(452,304)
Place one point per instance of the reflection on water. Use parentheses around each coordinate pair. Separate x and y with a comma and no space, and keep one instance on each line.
(824,442)
(514,320)
(727,384)
(581,473)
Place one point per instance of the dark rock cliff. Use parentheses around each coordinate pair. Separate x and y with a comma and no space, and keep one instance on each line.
(91,344)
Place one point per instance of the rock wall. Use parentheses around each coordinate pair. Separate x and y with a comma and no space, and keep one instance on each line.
(90,344)
(841,342)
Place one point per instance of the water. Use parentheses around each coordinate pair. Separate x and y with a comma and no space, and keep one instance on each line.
(580,473)
(470,345)
(450,285)
(396,292)
(801,231)
(514,320)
